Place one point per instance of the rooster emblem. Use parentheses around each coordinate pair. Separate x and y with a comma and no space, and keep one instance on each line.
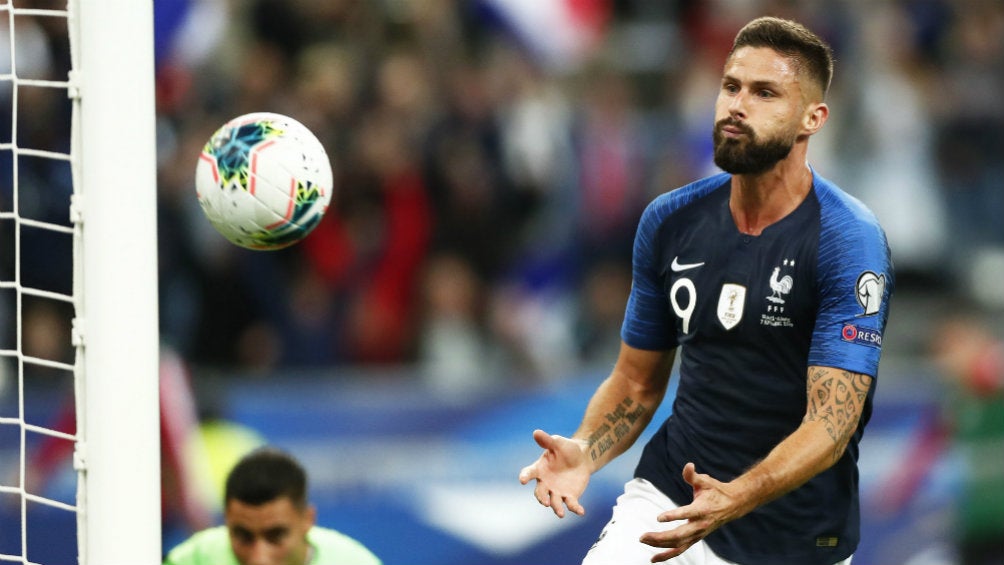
(780,285)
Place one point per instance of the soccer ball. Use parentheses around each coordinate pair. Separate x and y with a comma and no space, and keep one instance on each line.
(263,180)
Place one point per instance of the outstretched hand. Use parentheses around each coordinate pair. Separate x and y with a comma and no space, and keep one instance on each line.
(562,473)
(713,506)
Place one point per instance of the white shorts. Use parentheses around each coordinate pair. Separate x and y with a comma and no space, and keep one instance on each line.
(634,514)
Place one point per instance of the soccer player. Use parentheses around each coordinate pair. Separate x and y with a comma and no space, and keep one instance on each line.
(776,286)
(269,522)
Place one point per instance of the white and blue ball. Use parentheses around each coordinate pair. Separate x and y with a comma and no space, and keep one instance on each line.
(264,181)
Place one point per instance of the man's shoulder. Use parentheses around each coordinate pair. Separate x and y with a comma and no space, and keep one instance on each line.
(840,204)
(671,202)
(207,547)
(679,197)
(336,548)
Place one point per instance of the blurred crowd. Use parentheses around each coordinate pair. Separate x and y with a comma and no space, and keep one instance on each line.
(488,186)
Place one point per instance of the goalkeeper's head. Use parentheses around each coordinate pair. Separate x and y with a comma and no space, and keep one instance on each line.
(264,475)
(266,510)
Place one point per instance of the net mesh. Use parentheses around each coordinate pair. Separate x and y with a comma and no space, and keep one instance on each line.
(39,394)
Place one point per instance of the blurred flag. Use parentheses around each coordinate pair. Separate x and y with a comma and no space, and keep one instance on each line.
(187,31)
(560,34)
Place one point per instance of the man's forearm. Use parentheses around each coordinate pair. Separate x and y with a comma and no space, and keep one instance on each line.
(612,424)
(801,456)
(835,401)
(623,406)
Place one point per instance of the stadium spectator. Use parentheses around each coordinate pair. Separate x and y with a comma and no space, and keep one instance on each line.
(454,356)
(971,359)
(969,135)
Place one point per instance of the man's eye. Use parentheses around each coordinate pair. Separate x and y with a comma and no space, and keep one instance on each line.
(275,537)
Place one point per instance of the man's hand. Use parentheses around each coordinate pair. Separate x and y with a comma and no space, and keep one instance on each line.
(562,473)
(713,506)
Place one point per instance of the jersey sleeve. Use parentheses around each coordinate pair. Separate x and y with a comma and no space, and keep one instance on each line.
(856,282)
(647,322)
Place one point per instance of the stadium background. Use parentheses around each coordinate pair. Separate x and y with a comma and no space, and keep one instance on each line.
(467,285)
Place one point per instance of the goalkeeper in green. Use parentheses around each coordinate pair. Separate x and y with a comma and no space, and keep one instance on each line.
(268,521)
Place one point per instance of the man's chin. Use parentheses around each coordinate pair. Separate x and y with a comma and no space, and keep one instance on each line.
(736,165)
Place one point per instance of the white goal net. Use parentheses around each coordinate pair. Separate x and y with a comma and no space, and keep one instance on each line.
(79,449)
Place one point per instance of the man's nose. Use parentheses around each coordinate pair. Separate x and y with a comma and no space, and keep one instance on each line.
(737,105)
(260,553)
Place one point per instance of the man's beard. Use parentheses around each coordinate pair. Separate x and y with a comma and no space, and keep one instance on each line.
(747,156)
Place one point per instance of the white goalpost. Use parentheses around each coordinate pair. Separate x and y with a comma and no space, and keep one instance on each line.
(115,173)
(109,220)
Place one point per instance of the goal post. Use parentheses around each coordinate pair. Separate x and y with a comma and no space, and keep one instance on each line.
(114,209)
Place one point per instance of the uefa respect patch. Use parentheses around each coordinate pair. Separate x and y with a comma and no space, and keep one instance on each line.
(861,336)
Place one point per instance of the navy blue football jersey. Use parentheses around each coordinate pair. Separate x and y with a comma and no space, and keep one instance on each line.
(752,313)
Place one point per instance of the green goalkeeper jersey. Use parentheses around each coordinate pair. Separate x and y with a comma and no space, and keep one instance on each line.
(212,547)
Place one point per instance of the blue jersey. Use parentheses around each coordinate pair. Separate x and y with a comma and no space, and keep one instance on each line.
(752,313)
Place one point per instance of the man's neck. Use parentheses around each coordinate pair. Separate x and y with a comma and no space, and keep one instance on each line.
(757,201)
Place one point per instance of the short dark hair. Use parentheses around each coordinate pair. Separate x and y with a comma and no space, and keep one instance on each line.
(264,475)
(812,55)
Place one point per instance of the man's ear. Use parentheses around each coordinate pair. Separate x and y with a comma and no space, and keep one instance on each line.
(310,514)
(815,116)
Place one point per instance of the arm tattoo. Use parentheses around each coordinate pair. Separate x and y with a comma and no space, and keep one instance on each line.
(618,424)
(836,399)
